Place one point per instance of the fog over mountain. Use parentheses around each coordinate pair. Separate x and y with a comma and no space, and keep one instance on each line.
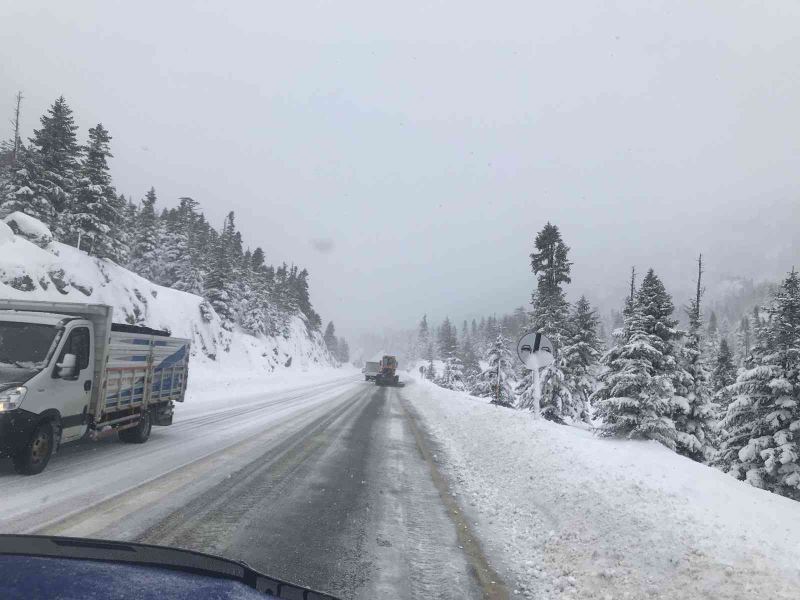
(407,155)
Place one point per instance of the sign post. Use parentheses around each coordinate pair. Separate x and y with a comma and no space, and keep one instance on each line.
(535,352)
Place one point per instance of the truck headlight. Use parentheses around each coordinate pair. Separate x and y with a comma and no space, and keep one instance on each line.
(11,399)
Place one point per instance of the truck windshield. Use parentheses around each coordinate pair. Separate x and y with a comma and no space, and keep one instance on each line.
(25,345)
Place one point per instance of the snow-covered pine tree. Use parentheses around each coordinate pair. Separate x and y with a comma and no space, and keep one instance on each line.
(430,370)
(723,375)
(550,316)
(447,341)
(145,255)
(442,381)
(496,381)
(10,149)
(22,189)
(458,379)
(762,423)
(331,343)
(469,359)
(184,251)
(127,225)
(223,274)
(486,333)
(93,221)
(173,245)
(694,410)
(237,280)
(581,355)
(744,341)
(58,153)
(635,395)
(711,339)
(528,385)
(298,288)
(259,317)
(343,351)
(423,340)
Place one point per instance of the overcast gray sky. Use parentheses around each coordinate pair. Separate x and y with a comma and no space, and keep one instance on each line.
(408,152)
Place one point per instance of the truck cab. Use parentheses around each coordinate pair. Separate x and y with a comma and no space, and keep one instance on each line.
(66,370)
(44,356)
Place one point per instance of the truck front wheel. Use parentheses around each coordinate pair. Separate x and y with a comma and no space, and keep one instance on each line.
(33,458)
(140,433)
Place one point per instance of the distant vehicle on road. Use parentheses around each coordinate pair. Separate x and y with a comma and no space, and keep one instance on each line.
(67,371)
(388,371)
(371,370)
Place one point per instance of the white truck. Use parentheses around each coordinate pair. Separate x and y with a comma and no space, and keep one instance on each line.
(68,372)
(371,370)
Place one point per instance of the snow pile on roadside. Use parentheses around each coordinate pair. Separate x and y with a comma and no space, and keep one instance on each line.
(29,228)
(564,514)
(62,273)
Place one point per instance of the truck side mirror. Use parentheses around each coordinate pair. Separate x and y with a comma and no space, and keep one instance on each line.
(66,368)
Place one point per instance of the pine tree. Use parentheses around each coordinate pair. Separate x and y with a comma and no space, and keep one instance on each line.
(469,359)
(343,351)
(223,274)
(635,395)
(127,226)
(453,374)
(183,250)
(497,380)
(22,189)
(331,343)
(762,424)
(723,374)
(694,412)
(424,349)
(550,316)
(526,391)
(56,144)
(16,140)
(145,255)
(447,342)
(711,340)
(259,315)
(581,355)
(93,220)
(744,341)
(430,370)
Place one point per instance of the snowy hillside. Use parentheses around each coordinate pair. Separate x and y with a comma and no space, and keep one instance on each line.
(59,272)
(565,514)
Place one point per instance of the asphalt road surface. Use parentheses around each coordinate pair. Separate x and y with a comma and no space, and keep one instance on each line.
(333,486)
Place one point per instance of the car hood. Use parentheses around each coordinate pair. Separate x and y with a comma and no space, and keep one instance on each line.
(12,377)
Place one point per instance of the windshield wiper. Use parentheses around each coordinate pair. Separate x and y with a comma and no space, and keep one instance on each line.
(8,361)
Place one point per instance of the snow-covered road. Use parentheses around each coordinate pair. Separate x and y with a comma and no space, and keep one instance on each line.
(319,483)
(83,475)
(417,492)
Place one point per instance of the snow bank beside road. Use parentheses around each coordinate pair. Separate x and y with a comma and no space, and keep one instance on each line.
(563,514)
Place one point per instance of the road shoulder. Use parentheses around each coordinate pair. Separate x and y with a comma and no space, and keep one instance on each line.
(564,514)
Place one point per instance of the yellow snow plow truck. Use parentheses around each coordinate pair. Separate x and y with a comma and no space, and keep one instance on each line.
(387,372)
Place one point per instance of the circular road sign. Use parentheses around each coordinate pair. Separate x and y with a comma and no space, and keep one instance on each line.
(535,350)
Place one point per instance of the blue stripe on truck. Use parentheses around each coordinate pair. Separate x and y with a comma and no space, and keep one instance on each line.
(173,359)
